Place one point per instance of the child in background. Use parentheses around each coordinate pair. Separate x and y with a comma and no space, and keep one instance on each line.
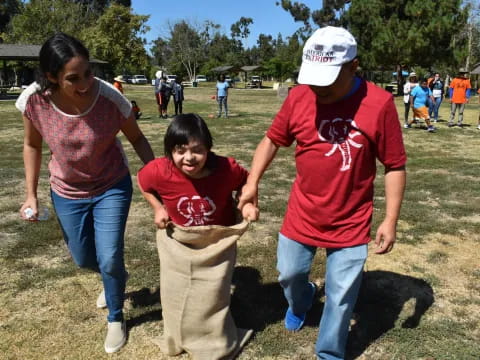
(136,110)
(419,100)
(190,191)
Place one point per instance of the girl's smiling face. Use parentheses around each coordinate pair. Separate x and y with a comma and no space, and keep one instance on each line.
(191,158)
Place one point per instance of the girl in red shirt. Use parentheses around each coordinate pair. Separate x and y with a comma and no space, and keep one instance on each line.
(191,185)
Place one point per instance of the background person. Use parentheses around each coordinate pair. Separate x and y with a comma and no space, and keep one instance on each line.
(340,124)
(459,93)
(157,87)
(78,116)
(136,110)
(419,100)
(407,88)
(165,93)
(117,83)
(436,86)
(177,94)
(478,126)
(222,95)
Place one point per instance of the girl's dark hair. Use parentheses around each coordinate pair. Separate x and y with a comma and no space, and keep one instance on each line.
(55,53)
(221,77)
(182,129)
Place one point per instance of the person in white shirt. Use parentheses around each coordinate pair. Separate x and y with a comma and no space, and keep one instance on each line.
(407,88)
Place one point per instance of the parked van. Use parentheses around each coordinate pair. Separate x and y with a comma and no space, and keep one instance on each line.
(139,79)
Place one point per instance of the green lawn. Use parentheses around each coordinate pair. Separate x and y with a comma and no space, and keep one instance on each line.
(422,301)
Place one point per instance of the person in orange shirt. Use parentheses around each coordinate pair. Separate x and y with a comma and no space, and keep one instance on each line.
(459,92)
(117,83)
(478,126)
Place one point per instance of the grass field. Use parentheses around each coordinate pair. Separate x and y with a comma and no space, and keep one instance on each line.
(422,301)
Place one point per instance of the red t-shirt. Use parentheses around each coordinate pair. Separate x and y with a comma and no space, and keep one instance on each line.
(193,202)
(331,200)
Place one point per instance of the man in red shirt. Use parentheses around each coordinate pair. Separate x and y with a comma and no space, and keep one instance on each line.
(459,93)
(341,124)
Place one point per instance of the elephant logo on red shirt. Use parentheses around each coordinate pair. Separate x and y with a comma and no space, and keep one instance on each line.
(196,210)
(340,134)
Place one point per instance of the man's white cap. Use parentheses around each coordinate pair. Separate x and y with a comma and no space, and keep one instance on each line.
(324,54)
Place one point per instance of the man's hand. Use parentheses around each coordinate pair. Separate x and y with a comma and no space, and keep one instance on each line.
(249,194)
(250,212)
(386,236)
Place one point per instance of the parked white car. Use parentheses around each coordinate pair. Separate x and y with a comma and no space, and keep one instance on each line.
(139,79)
(201,78)
(170,78)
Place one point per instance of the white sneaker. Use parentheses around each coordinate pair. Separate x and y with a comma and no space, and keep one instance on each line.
(101,300)
(478,127)
(116,336)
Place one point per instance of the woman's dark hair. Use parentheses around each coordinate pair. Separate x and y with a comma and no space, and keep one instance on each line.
(55,53)
(221,77)
(182,129)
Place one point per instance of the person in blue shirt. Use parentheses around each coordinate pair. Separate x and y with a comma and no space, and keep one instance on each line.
(222,95)
(419,98)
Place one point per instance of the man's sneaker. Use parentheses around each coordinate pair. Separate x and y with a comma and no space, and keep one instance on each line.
(407,126)
(101,300)
(460,125)
(116,336)
(451,124)
(295,322)
(431,128)
(478,127)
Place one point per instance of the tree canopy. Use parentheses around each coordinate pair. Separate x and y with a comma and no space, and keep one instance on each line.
(424,34)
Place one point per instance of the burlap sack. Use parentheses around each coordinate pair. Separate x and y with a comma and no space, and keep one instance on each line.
(196,267)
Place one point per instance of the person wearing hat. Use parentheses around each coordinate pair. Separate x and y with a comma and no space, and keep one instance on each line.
(341,124)
(117,83)
(407,89)
(459,93)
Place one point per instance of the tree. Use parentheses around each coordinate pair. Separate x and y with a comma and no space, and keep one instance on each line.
(331,13)
(41,19)
(188,49)
(8,8)
(240,29)
(116,38)
(405,33)
(98,7)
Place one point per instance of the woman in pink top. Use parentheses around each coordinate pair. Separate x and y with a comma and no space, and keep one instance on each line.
(78,116)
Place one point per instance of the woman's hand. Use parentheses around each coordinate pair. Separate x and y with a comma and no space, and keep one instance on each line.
(161,217)
(250,212)
(30,203)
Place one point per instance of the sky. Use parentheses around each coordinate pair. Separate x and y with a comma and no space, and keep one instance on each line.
(267,18)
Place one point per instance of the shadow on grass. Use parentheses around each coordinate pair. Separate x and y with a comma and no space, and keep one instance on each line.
(255,305)
(144,298)
(382,297)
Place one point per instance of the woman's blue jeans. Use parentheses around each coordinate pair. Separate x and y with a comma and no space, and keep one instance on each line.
(93,229)
(435,107)
(343,277)
(222,100)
